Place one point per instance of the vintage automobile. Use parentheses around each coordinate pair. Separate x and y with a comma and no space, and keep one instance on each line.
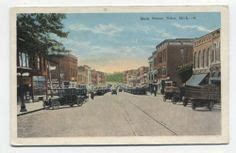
(172,93)
(114,91)
(82,95)
(200,96)
(100,91)
(67,96)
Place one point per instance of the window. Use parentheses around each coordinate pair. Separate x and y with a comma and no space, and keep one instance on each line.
(38,62)
(195,60)
(207,57)
(182,54)
(23,59)
(213,55)
(198,61)
(203,58)
(217,53)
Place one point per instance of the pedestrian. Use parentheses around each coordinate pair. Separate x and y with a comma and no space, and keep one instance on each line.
(92,95)
(155,90)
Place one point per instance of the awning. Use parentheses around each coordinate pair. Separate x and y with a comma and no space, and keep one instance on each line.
(195,80)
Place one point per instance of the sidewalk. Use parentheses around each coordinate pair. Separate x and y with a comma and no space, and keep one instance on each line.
(31,107)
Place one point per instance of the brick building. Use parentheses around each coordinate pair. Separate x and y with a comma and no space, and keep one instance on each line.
(169,54)
(101,79)
(94,77)
(206,55)
(152,72)
(66,69)
(142,75)
(130,77)
(84,75)
(31,75)
(98,78)
(136,77)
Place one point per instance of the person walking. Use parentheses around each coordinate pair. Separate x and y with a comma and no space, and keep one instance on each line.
(92,95)
(155,89)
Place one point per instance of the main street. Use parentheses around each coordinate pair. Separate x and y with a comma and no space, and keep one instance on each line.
(121,115)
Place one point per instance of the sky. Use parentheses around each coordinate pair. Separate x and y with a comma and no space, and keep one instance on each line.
(114,42)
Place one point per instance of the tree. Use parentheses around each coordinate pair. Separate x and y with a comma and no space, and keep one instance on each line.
(36,32)
(115,77)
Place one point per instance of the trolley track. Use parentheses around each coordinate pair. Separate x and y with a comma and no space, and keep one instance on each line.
(154,119)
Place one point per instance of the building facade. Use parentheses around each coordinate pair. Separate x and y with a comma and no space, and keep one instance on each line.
(84,75)
(101,79)
(152,72)
(206,55)
(66,69)
(170,54)
(136,77)
(142,76)
(31,75)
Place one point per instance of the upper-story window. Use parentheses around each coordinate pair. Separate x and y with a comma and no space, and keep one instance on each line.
(203,58)
(213,53)
(182,54)
(195,60)
(207,57)
(198,60)
(38,62)
(23,59)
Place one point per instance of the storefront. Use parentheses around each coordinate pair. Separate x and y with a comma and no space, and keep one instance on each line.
(39,87)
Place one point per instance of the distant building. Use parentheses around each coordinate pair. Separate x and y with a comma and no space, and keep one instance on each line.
(101,79)
(136,77)
(94,77)
(130,77)
(84,75)
(206,55)
(142,76)
(165,60)
(152,73)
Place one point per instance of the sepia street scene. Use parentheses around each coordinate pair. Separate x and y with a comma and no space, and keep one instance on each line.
(118,74)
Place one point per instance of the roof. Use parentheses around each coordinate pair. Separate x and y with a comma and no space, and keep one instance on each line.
(176,40)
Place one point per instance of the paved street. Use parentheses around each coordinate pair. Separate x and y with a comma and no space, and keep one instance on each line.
(121,115)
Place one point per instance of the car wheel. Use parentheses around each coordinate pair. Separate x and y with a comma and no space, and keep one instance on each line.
(173,100)
(164,98)
(210,105)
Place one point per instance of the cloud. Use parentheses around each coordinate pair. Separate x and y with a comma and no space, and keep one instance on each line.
(106,29)
(109,58)
(195,27)
(152,30)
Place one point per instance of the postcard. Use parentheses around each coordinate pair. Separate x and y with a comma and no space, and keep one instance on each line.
(119,75)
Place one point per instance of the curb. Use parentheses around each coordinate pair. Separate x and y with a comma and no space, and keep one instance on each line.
(28,112)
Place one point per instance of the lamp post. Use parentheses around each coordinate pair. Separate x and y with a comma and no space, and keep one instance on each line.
(23,107)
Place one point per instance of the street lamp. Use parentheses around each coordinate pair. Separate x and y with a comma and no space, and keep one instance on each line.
(23,107)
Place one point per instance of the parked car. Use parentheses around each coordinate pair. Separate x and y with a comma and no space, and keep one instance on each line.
(100,92)
(201,96)
(114,91)
(60,97)
(172,93)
